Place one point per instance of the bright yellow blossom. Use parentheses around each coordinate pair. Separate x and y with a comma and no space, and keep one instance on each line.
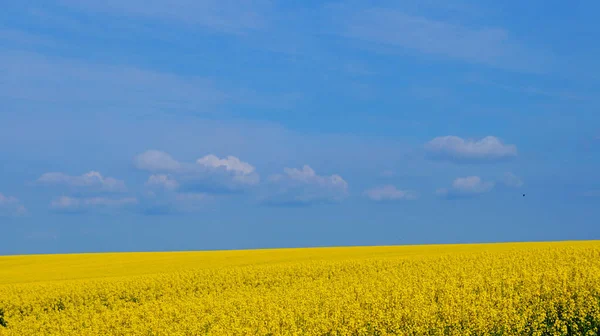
(480,289)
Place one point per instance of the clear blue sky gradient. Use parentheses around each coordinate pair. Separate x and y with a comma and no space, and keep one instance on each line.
(363,96)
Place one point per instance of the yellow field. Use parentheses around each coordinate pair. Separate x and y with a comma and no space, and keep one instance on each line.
(487,289)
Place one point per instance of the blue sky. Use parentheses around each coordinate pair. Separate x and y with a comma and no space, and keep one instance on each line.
(193,125)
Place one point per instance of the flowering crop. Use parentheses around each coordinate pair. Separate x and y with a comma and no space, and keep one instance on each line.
(483,289)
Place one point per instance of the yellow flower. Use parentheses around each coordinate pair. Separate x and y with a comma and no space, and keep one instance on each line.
(508,289)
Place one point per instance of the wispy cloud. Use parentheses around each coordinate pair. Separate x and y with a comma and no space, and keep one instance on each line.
(91,181)
(464,187)
(226,16)
(162,181)
(392,28)
(388,173)
(302,187)
(388,193)
(454,148)
(169,201)
(530,90)
(163,196)
(156,161)
(11,206)
(78,205)
(54,81)
(357,69)
(594,193)
(511,180)
(21,38)
(42,235)
(39,81)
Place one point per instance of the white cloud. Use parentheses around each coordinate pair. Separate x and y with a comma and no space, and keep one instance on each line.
(164,197)
(304,186)
(400,31)
(93,181)
(389,193)
(511,180)
(231,163)
(465,187)
(207,174)
(162,181)
(65,202)
(11,206)
(72,204)
(154,161)
(455,148)
(241,172)
(472,184)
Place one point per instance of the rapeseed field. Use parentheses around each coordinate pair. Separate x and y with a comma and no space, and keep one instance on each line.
(480,289)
